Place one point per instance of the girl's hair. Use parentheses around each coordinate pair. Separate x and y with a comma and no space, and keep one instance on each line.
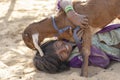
(50,62)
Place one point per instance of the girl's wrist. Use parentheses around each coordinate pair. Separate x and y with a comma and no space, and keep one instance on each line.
(71,13)
(68,8)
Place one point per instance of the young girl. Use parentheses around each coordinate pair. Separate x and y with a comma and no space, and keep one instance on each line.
(60,55)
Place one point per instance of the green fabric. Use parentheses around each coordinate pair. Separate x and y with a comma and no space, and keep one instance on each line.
(109,38)
(74,53)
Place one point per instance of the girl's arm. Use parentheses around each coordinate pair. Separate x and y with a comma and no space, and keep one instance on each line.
(75,18)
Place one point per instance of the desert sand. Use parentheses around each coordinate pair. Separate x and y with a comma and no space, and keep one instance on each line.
(16,59)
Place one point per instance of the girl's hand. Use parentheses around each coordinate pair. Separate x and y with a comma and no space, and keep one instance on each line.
(77,19)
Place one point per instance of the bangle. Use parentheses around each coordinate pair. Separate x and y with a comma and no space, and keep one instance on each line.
(68,8)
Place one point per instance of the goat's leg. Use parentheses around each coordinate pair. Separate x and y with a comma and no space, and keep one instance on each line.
(35,42)
(86,51)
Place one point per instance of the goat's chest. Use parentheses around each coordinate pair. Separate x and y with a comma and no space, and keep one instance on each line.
(67,36)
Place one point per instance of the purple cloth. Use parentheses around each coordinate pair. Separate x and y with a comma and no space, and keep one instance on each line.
(58,4)
(97,57)
(109,28)
(75,62)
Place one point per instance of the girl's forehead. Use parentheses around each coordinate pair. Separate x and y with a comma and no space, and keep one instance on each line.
(58,42)
(55,43)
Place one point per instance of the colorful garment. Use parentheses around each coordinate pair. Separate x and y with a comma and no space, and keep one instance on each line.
(101,50)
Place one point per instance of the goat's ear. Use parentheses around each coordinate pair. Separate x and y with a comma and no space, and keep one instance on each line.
(41,52)
(38,53)
(36,44)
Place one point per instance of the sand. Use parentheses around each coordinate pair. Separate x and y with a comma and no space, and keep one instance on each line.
(16,59)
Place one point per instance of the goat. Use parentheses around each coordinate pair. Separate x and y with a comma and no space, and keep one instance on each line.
(99,13)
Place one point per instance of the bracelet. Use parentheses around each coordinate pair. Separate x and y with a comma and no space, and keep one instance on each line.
(68,8)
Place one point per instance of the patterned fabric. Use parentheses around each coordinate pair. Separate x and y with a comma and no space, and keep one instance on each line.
(101,53)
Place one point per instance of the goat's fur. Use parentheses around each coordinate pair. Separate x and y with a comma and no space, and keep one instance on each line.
(99,12)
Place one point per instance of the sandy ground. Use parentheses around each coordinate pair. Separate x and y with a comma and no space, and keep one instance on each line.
(16,58)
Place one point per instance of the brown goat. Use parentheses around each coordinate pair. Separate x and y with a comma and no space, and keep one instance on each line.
(99,12)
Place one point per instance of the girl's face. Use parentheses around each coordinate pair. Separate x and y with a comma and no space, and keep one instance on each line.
(63,49)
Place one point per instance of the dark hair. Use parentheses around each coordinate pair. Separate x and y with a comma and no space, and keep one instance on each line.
(50,62)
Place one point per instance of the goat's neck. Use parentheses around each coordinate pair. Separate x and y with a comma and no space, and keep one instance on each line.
(62,20)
